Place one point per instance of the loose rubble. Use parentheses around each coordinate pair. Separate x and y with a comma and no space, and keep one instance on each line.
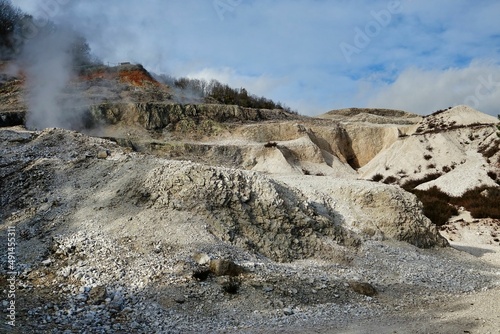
(91,264)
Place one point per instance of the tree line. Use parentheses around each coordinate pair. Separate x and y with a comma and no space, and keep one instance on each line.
(222,93)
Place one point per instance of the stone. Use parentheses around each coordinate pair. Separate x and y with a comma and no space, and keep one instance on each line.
(102,154)
(97,295)
(222,267)
(363,288)
(201,258)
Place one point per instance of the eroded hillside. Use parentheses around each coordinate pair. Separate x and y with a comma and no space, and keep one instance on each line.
(175,217)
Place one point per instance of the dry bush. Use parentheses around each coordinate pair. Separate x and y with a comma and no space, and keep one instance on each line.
(377,177)
(436,205)
(412,184)
(482,202)
(446,169)
(390,179)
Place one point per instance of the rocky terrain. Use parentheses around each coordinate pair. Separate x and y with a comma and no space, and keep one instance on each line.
(160,216)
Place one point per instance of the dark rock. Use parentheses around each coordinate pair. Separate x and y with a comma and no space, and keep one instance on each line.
(363,288)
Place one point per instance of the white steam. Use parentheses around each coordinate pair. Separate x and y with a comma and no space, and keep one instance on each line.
(47,62)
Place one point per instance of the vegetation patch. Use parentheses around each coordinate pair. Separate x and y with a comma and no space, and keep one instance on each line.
(412,184)
(390,180)
(439,207)
(482,202)
(271,144)
(436,205)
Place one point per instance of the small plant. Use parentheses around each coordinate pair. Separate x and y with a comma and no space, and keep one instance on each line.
(427,156)
(446,169)
(390,180)
(271,144)
(306,172)
(377,177)
(492,175)
(431,166)
(429,148)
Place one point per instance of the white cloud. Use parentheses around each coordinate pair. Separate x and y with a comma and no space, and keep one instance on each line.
(424,91)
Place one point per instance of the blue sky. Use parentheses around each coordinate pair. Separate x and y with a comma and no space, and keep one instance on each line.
(312,55)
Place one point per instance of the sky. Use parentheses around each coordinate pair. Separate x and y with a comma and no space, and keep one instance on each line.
(311,55)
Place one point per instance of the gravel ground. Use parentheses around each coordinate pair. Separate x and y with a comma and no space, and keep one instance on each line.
(91,260)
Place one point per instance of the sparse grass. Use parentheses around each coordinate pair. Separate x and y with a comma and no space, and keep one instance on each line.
(439,207)
(491,150)
(270,144)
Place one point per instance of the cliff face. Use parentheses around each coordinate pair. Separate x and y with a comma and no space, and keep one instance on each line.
(157,116)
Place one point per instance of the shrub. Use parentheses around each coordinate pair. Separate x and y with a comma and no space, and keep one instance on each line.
(492,175)
(431,166)
(271,144)
(377,177)
(435,205)
(390,179)
(480,206)
(491,150)
(446,169)
(427,156)
(412,184)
